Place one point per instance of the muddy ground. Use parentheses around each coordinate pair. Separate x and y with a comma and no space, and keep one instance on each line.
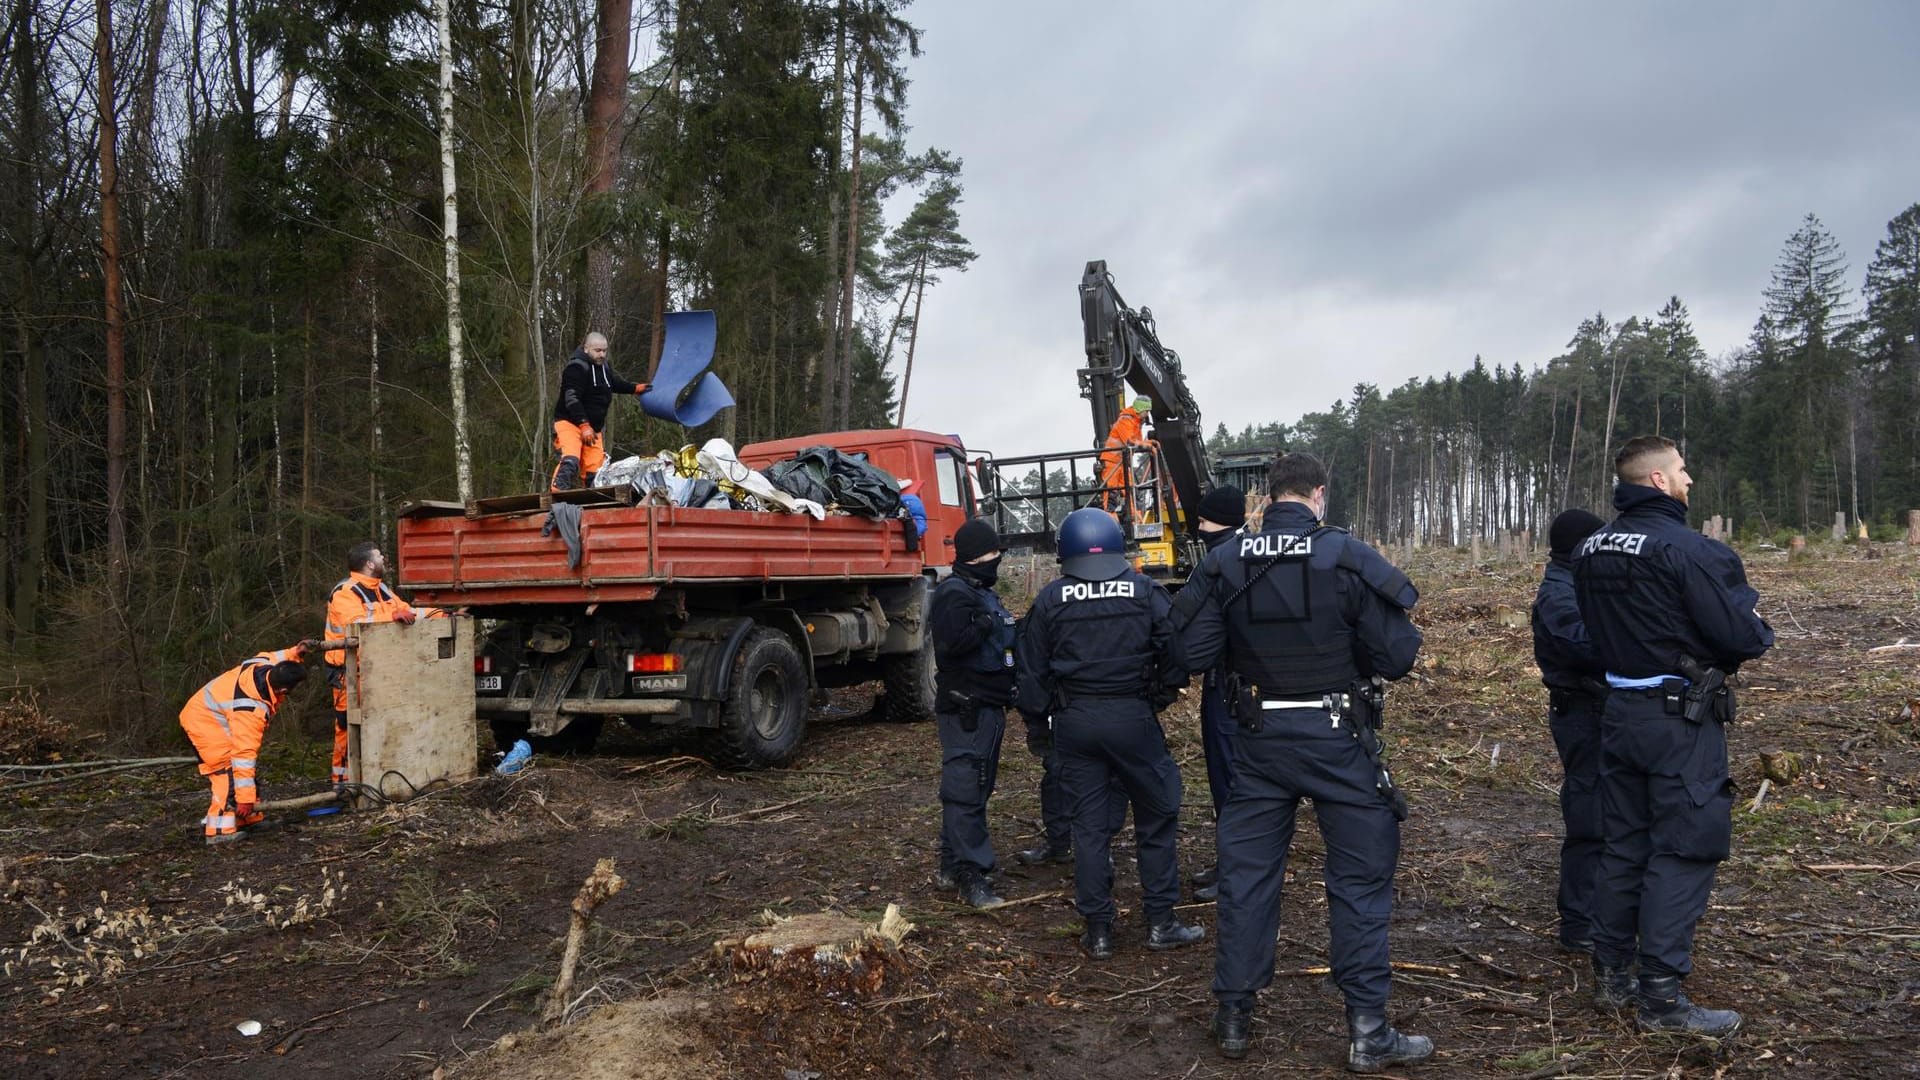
(424,937)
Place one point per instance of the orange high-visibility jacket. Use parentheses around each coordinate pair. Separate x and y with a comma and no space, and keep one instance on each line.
(1125,430)
(359,599)
(232,712)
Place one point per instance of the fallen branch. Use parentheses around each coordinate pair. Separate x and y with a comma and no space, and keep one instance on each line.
(762,811)
(1397,965)
(1901,644)
(1760,796)
(1141,990)
(1847,867)
(109,761)
(1035,898)
(70,777)
(293,1036)
(599,887)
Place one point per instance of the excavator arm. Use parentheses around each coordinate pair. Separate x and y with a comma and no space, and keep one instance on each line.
(1124,354)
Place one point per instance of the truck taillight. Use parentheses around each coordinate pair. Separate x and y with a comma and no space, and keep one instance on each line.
(483,665)
(653,662)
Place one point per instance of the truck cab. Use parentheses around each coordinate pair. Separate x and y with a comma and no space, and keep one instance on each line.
(936,463)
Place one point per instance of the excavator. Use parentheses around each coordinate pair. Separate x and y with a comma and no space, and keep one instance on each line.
(1148,483)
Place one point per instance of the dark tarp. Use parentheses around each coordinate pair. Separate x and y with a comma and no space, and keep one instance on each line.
(846,481)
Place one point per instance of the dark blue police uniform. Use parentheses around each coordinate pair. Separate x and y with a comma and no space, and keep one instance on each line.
(1093,655)
(1576,689)
(1322,613)
(973,639)
(1652,592)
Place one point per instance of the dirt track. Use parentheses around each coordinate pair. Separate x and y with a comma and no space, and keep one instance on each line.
(446,916)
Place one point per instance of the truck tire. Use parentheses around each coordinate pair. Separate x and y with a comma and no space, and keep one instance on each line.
(908,682)
(577,737)
(765,714)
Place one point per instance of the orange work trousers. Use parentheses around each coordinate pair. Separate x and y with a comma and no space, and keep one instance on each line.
(568,440)
(216,764)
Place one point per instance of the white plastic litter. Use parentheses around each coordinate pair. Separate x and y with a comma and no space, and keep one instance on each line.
(717,459)
(249,1028)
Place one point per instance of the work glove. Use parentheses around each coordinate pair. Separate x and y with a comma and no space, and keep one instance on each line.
(405,616)
(641,388)
(586,432)
(243,811)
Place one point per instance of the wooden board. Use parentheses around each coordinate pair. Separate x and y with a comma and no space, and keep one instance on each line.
(412,721)
(540,501)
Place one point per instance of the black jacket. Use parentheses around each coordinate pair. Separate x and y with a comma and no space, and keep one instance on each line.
(1110,638)
(586,389)
(1329,610)
(1652,590)
(1561,645)
(972,635)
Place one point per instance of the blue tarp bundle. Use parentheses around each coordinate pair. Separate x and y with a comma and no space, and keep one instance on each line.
(684,391)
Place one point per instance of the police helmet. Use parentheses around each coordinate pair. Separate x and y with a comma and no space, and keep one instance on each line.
(1092,547)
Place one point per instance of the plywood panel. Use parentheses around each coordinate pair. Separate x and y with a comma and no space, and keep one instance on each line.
(413,723)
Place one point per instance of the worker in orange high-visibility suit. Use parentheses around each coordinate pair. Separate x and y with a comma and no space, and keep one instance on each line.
(226,720)
(363,597)
(1124,433)
(587,386)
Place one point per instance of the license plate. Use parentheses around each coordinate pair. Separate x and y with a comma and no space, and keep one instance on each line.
(657,684)
(487,682)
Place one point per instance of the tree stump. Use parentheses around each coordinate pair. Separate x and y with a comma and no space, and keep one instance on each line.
(1796,548)
(1839,526)
(1913,528)
(826,952)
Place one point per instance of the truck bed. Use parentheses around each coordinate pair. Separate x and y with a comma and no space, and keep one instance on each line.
(631,553)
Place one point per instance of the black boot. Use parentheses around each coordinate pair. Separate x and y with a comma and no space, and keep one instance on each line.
(1206,877)
(976,892)
(1664,1008)
(586,479)
(1232,1029)
(945,879)
(1173,933)
(1208,892)
(1613,988)
(1044,853)
(567,476)
(1373,1046)
(1098,940)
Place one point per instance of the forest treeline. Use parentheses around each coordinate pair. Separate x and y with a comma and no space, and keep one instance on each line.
(1817,414)
(225,309)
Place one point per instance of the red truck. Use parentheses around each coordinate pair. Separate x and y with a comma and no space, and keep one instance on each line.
(720,620)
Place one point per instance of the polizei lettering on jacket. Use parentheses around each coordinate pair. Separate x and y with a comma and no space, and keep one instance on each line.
(1276,546)
(1096,590)
(1623,543)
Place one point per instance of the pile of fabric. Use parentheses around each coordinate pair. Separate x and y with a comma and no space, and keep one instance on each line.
(815,482)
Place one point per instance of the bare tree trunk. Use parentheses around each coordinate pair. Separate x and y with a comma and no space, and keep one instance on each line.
(899,316)
(374,495)
(456,362)
(605,101)
(115,300)
(843,364)
(1573,441)
(306,452)
(913,336)
(823,376)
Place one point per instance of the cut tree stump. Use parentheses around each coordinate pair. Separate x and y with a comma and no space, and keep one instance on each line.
(824,951)
(1913,528)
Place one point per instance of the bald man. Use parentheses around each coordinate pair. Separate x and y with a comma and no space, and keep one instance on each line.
(587,386)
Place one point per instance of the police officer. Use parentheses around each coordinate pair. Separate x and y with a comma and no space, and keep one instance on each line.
(1098,656)
(1576,688)
(1671,615)
(972,635)
(1308,619)
(1220,515)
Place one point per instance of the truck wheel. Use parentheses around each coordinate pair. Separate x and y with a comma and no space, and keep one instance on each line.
(577,737)
(765,714)
(908,682)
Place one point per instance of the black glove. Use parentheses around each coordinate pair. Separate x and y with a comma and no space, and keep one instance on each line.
(1164,696)
(1039,738)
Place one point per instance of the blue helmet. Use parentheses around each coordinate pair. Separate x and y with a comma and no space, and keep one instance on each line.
(1092,547)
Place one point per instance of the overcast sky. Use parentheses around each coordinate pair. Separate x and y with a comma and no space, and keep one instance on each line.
(1310,195)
